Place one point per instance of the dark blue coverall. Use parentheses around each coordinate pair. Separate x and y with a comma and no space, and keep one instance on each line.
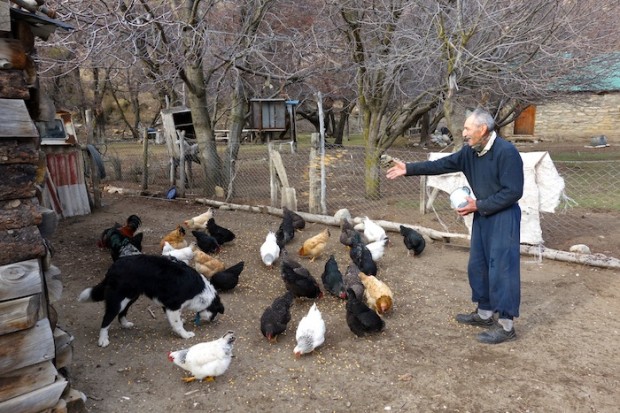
(496,179)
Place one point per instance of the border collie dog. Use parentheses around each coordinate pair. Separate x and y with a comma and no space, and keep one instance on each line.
(169,283)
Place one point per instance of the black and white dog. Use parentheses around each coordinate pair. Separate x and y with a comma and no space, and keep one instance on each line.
(170,283)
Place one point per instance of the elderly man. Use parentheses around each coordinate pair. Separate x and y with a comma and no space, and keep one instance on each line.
(494,169)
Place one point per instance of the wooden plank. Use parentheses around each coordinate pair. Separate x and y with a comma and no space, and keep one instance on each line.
(36,401)
(20,279)
(26,380)
(21,244)
(19,151)
(19,314)
(18,213)
(26,347)
(15,120)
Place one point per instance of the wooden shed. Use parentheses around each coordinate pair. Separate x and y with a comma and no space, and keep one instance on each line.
(34,352)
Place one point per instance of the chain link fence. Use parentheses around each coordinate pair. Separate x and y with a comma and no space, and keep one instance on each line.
(587,214)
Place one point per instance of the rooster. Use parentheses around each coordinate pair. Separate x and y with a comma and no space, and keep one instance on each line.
(310,332)
(176,238)
(332,278)
(275,318)
(314,246)
(205,360)
(378,295)
(269,250)
(227,279)
(119,236)
(222,235)
(199,221)
(413,240)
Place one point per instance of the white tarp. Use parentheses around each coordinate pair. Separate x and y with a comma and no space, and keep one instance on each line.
(542,191)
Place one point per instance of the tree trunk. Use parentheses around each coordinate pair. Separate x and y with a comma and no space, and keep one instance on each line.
(237,120)
(209,159)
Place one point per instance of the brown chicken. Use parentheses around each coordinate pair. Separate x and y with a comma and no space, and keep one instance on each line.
(206,264)
(175,238)
(314,246)
(378,295)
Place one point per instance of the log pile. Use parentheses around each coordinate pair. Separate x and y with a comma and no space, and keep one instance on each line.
(34,352)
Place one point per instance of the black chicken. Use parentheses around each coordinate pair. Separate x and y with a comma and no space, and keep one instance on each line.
(362,257)
(332,278)
(299,222)
(275,318)
(352,281)
(227,279)
(286,230)
(348,234)
(413,240)
(206,242)
(298,279)
(360,318)
(221,234)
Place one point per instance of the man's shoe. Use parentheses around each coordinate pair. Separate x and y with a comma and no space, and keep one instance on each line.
(474,319)
(497,335)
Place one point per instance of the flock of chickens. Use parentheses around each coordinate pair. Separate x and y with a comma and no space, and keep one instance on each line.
(368,298)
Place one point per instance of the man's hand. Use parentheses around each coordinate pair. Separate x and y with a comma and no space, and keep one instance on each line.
(397,170)
(469,208)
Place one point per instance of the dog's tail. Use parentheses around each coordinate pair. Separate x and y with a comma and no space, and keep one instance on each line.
(96,293)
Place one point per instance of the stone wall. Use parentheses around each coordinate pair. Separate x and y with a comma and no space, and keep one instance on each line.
(587,116)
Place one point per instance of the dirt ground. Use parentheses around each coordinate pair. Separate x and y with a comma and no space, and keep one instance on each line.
(564,360)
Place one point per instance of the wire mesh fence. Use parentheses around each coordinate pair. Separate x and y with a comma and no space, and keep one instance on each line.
(591,206)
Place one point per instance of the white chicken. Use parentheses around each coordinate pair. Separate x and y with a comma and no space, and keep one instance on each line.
(373,231)
(310,332)
(377,248)
(205,360)
(199,221)
(182,254)
(270,251)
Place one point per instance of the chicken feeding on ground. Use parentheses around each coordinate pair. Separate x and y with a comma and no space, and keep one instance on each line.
(348,234)
(362,257)
(332,278)
(310,332)
(352,281)
(206,242)
(299,222)
(313,247)
(205,360)
(206,264)
(361,319)
(286,230)
(372,231)
(413,240)
(199,221)
(275,318)
(269,250)
(176,238)
(119,236)
(182,254)
(222,235)
(377,248)
(378,295)
(298,279)
(227,279)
